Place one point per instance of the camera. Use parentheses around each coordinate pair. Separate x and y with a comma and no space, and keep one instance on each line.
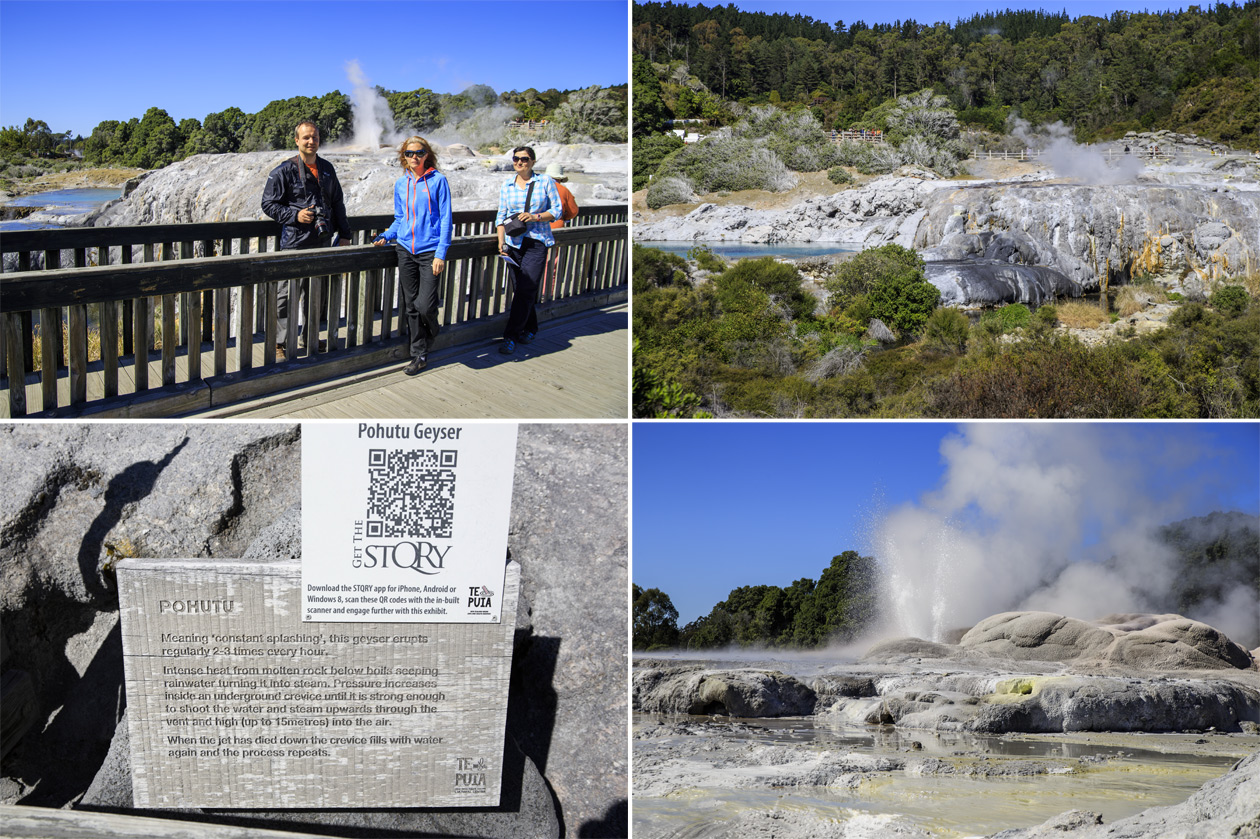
(321,223)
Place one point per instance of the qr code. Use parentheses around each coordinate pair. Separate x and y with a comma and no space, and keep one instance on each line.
(411,493)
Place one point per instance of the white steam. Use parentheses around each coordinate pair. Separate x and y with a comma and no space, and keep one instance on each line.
(1049,517)
(1068,159)
(373,120)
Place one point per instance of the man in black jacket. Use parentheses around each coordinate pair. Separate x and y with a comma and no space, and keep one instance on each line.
(304,195)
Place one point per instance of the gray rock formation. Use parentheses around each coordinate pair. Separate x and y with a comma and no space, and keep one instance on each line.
(1151,642)
(78,492)
(739,693)
(1197,221)
(228,187)
(1224,807)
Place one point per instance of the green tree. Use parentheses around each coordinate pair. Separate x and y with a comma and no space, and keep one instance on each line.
(650,114)
(655,619)
(417,109)
(591,112)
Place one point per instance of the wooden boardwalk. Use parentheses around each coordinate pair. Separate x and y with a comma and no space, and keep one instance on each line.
(578,368)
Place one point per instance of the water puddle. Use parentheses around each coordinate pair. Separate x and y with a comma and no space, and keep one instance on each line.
(989,788)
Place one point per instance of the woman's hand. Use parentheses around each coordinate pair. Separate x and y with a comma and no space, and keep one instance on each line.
(379,242)
(438,265)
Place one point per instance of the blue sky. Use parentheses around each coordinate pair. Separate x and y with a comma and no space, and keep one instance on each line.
(75,64)
(936,11)
(722,505)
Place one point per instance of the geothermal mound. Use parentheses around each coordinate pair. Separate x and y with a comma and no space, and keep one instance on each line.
(1151,642)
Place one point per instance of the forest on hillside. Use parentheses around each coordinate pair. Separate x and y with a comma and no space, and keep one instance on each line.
(1194,71)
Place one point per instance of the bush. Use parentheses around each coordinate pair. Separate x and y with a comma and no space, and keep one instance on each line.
(1008,318)
(653,267)
(670,190)
(860,274)
(839,175)
(726,164)
(1230,300)
(648,152)
(904,303)
(946,331)
(1047,316)
(779,280)
(703,256)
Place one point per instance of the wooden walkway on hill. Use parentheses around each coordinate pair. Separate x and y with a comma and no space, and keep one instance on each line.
(578,367)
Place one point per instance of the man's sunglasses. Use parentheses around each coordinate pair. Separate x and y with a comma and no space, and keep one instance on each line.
(414,153)
(516,159)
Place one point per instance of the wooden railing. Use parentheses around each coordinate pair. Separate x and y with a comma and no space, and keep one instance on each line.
(185,315)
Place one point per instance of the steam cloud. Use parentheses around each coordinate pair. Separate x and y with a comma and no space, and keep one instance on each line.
(373,120)
(1024,518)
(1073,161)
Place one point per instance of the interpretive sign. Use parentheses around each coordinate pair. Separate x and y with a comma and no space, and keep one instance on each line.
(235,701)
(406,521)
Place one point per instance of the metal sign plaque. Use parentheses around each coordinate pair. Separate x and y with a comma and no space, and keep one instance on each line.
(236,701)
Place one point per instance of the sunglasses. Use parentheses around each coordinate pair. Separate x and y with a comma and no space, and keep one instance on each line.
(516,159)
(414,153)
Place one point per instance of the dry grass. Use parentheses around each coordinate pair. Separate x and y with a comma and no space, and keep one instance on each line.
(1132,299)
(1080,315)
(93,341)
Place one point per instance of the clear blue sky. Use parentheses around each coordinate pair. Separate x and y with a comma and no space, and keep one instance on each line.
(75,64)
(722,505)
(937,11)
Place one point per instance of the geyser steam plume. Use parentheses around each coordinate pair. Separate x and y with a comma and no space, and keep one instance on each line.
(1070,160)
(1046,517)
(373,120)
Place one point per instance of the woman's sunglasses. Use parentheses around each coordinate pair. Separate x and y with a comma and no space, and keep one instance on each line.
(414,153)
(516,159)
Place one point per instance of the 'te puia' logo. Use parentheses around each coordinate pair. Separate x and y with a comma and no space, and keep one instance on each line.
(479,597)
(470,774)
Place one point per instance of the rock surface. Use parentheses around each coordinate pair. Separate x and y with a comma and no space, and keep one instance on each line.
(228,490)
(228,187)
(1195,218)
(739,693)
(1151,642)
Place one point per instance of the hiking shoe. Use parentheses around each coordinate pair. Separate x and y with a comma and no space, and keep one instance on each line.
(508,347)
(527,338)
(282,353)
(416,365)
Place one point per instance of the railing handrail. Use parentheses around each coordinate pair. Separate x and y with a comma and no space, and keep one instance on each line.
(29,290)
(69,238)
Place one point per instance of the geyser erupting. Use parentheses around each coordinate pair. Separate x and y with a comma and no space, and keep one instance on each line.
(1059,518)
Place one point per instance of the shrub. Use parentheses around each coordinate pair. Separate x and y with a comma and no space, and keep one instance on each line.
(946,331)
(904,302)
(703,256)
(1047,316)
(658,268)
(1230,300)
(839,175)
(780,280)
(1008,318)
(670,190)
(724,163)
(860,274)
(648,153)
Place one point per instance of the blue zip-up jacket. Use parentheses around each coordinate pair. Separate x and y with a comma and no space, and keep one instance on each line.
(422,214)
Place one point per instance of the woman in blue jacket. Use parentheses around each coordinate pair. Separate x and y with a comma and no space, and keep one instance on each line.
(421,233)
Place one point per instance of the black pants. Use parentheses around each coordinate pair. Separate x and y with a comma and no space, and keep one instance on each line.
(282,298)
(522,317)
(420,298)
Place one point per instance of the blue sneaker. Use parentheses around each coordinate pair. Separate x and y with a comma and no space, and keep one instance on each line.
(508,347)
(527,338)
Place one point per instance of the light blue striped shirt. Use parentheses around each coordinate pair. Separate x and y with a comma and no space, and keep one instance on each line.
(546,199)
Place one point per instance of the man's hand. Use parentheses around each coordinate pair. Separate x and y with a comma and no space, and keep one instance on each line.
(306,215)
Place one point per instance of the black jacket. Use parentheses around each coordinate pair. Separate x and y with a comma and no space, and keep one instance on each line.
(291,188)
